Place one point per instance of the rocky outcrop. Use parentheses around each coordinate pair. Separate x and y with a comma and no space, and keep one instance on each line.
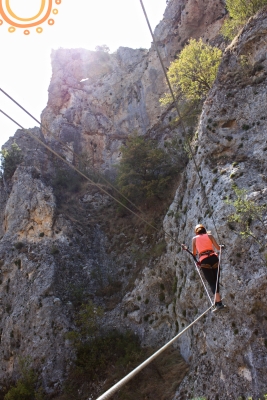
(228,351)
(53,254)
(97,99)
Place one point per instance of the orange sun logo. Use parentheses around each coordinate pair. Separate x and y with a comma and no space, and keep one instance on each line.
(44,14)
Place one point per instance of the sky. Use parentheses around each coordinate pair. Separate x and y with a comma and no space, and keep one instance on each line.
(25,65)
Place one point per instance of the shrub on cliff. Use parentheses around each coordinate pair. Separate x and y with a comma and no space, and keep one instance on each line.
(239,12)
(10,159)
(145,171)
(194,72)
(103,48)
(95,351)
(25,388)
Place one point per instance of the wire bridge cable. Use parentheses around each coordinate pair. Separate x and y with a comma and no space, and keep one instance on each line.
(150,359)
(27,132)
(70,150)
(132,374)
(218,272)
(87,178)
(78,157)
(179,115)
(77,170)
(203,283)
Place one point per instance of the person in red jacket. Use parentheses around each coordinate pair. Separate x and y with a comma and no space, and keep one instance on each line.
(204,244)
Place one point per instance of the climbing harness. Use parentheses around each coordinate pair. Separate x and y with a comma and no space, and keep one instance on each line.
(198,265)
(207,253)
(121,383)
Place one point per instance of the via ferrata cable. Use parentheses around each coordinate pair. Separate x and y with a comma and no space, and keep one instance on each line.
(180,116)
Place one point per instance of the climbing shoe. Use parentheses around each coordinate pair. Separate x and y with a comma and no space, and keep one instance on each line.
(219,307)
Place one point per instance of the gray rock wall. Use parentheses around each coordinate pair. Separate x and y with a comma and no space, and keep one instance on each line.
(120,92)
(228,351)
(64,250)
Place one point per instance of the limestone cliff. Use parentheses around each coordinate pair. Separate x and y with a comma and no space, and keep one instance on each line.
(58,249)
(120,92)
(228,352)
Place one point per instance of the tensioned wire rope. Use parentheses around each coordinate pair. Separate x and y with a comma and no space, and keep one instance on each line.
(91,181)
(77,156)
(28,132)
(126,379)
(184,131)
(179,115)
(133,373)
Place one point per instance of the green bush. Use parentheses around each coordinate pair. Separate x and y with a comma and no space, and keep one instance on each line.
(10,159)
(67,180)
(245,212)
(86,322)
(145,171)
(239,12)
(20,392)
(25,388)
(114,347)
(194,72)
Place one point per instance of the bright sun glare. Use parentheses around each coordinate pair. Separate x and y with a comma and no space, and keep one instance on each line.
(25,57)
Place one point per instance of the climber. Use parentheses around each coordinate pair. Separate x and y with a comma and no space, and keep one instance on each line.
(204,244)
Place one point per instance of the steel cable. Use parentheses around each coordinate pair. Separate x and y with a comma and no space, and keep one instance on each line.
(179,115)
(132,374)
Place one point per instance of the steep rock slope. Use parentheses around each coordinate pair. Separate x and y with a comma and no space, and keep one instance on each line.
(228,352)
(120,92)
(51,257)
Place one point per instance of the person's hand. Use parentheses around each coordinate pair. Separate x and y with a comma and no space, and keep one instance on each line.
(184,247)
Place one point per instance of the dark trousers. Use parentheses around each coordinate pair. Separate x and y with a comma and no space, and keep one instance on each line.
(211,278)
(210,273)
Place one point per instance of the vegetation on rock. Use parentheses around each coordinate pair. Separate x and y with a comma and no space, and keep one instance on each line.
(109,356)
(25,388)
(10,159)
(145,171)
(194,71)
(103,48)
(239,12)
(245,212)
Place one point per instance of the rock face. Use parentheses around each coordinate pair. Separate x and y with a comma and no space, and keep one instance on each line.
(228,351)
(120,92)
(53,255)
